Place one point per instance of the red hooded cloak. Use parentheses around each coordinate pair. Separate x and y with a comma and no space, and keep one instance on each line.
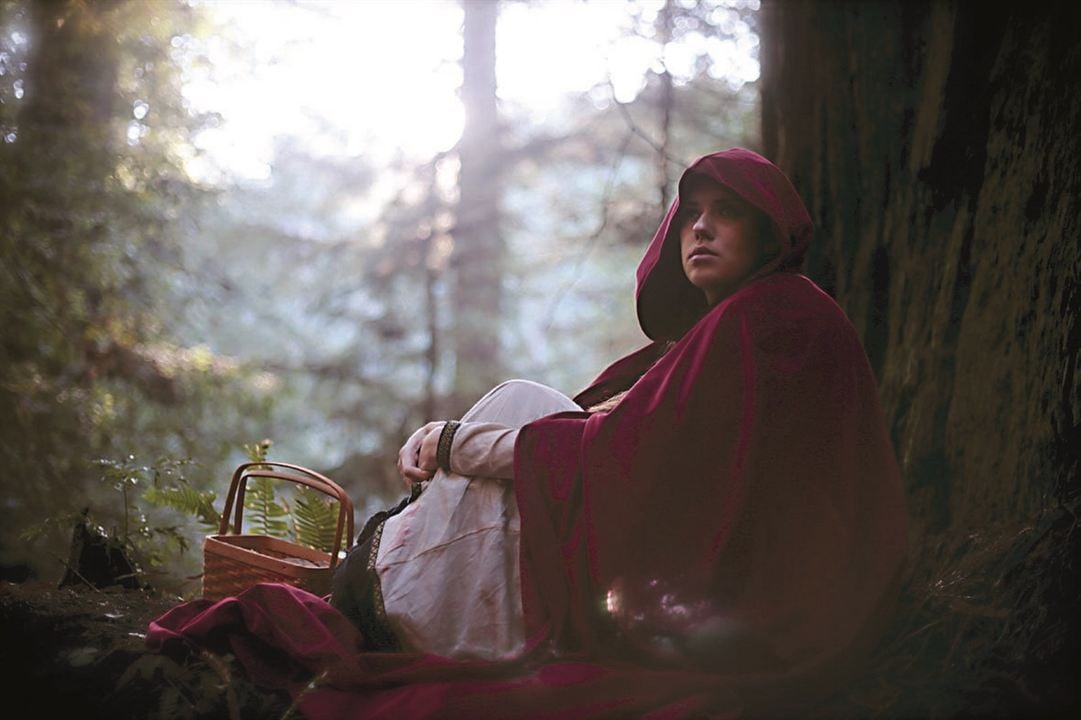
(740,509)
(721,542)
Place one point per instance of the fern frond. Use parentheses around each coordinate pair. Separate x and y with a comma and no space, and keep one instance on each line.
(315,519)
(265,511)
(186,499)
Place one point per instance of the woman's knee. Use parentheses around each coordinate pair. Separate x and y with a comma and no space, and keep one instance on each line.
(517,385)
(517,401)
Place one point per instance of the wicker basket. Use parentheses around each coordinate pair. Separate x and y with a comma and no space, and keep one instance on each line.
(233,562)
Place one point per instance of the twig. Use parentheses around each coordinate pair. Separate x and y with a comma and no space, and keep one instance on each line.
(75,572)
(222,671)
(635,128)
(591,241)
(312,685)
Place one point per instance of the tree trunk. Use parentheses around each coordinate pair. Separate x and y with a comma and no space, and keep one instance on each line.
(936,145)
(478,255)
(667,102)
(54,278)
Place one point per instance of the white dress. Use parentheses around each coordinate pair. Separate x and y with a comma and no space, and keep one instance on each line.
(448,564)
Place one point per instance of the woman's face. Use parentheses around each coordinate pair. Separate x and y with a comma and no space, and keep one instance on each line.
(719,238)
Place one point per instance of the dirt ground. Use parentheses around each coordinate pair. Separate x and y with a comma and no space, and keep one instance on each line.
(80,652)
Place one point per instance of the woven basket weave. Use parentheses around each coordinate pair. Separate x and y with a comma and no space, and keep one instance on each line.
(233,562)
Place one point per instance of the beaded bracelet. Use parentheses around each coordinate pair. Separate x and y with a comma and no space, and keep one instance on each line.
(446,437)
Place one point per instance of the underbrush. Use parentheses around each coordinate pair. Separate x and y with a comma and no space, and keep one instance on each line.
(986,626)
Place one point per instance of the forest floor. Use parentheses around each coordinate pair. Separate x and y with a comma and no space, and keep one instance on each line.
(80,652)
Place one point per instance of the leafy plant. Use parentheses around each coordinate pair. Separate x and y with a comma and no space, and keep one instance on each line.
(186,499)
(312,520)
(195,686)
(315,519)
(160,484)
(265,511)
(145,542)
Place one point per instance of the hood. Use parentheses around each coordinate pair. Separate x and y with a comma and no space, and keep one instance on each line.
(668,305)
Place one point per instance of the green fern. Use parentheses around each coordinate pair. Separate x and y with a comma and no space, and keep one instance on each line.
(186,499)
(257,452)
(266,512)
(315,519)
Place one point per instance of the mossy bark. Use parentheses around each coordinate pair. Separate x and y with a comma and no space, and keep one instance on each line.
(936,145)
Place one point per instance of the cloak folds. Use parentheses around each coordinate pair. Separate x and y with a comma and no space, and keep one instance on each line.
(739,510)
(719,543)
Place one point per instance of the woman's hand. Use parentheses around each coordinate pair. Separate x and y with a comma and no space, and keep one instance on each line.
(416,459)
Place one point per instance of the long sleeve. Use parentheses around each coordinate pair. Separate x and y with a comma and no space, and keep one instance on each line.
(484,449)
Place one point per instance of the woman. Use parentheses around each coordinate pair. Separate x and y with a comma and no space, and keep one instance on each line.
(715,524)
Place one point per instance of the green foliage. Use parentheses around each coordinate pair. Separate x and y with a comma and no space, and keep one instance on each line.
(257,452)
(94,208)
(265,511)
(161,484)
(267,514)
(311,519)
(197,686)
(315,519)
(188,500)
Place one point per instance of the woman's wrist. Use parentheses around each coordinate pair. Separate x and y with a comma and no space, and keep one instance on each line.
(446,440)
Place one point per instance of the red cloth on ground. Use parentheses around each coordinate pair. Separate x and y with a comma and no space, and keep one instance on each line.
(723,541)
(284,637)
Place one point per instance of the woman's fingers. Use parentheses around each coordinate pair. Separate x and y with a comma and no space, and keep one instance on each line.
(412,475)
(426,458)
(409,465)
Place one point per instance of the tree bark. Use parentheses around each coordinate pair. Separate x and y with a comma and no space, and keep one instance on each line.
(667,101)
(54,226)
(478,256)
(936,145)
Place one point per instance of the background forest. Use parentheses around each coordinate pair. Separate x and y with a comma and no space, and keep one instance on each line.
(224,222)
(324,223)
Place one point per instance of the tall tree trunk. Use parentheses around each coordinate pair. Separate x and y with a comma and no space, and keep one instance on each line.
(478,256)
(937,146)
(54,223)
(667,102)
(62,160)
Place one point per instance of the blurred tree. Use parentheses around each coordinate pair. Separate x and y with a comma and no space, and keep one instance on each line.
(57,281)
(478,257)
(91,196)
(581,210)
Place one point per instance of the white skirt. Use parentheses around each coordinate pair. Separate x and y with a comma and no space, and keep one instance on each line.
(448,563)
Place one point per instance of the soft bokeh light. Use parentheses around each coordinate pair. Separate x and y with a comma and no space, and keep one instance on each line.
(385,73)
(369,68)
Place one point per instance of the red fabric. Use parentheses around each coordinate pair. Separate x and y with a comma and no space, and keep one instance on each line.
(741,509)
(721,542)
(740,506)
(284,636)
(667,302)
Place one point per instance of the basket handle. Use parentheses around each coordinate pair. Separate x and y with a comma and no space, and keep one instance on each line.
(302,476)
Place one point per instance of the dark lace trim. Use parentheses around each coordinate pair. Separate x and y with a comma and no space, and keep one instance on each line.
(379,610)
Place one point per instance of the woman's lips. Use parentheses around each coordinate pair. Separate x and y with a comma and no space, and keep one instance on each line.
(700,251)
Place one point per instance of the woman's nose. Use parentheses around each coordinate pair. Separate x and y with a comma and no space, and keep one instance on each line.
(700,227)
